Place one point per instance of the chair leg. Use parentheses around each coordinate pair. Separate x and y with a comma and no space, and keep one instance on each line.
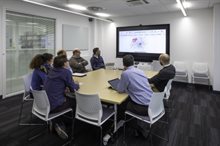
(124,127)
(20,113)
(101,142)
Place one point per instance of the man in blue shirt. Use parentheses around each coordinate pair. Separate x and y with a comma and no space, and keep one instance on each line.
(97,61)
(134,82)
(56,84)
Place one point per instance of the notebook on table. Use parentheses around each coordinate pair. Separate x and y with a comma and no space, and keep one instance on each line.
(114,83)
(79,74)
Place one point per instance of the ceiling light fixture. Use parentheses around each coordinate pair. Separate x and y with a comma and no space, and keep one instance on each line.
(102,14)
(77,7)
(179,2)
(64,10)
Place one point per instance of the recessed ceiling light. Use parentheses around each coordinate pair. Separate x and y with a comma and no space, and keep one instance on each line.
(77,7)
(185,4)
(102,14)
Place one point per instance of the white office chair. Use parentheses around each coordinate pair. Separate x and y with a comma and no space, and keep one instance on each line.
(144,67)
(26,96)
(167,89)
(90,110)
(156,65)
(155,113)
(110,65)
(200,73)
(181,71)
(41,109)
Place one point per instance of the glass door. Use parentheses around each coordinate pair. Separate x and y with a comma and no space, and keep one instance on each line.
(26,36)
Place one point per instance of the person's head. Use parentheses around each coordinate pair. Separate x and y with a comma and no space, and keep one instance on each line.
(48,58)
(128,60)
(96,51)
(164,59)
(76,52)
(61,52)
(37,61)
(60,61)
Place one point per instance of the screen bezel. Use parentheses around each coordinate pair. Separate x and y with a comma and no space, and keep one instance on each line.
(143,57)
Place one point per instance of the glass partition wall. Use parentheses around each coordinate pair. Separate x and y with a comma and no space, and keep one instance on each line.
(26,36)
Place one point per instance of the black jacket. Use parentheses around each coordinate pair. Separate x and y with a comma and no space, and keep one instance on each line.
(165,74)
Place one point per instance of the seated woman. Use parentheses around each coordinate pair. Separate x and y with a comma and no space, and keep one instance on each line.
(58,80)
(39,74)
(48,61)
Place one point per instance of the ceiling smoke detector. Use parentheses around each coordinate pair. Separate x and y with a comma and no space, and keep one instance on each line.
(136,2)
(95,9)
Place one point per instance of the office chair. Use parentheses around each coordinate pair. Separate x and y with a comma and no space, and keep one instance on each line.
(26,96)
(155,112)
(200,73)
(90,110)
(181,71)
(41,109)
(110,65)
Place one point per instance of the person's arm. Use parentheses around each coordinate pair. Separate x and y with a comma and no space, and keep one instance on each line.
(84,62)
(94,64)
(70,83)
(123,84)
(103,63)
(75,64)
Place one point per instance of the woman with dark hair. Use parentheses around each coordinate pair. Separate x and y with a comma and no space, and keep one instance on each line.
(39,74)
(48,61)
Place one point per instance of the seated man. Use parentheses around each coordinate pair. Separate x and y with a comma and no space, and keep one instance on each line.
(78,63)
(58,79)
(97,61)
(159,81)
(134,82)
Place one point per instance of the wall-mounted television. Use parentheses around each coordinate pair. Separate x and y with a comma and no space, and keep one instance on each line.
(144,42)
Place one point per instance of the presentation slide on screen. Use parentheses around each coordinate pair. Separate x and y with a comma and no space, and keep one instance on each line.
(143,41)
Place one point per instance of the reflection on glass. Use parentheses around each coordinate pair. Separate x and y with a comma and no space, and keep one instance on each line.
(26,36)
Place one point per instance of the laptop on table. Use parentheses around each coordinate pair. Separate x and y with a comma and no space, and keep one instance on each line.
(114,83)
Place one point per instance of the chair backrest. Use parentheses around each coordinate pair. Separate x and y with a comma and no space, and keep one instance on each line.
(144,67)
(27,81)
(180,66)
(168,88)
(156,65)
(156,107)
(88,108)
(200,68)
(41,105)
(110,65)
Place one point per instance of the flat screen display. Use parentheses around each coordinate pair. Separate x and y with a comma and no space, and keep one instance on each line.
(145,43)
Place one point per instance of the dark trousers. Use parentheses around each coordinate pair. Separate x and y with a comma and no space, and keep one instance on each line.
(69,103)
(133,107)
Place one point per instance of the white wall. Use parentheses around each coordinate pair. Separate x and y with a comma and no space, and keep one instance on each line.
(191,38)
(1,51)
(61,18)
(216,53)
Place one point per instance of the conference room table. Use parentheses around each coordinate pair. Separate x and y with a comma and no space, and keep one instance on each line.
(96,82)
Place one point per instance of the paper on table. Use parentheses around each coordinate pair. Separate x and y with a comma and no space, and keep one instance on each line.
(79,74)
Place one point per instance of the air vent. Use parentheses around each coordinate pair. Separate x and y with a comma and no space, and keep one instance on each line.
(136,2)
(95,9)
